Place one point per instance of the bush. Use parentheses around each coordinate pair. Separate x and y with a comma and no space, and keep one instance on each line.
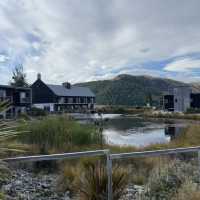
(189,190)
(164,183)
(37,112)
(193,110)
(58,132)
(5,174)
(89,181)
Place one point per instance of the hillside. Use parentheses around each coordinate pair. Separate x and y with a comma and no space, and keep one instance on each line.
(130,90)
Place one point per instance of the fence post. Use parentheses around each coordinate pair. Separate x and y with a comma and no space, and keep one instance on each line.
(109,174)
(199,164)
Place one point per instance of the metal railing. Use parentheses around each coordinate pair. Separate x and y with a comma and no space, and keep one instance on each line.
(25,100)
(109,157)
(6,99)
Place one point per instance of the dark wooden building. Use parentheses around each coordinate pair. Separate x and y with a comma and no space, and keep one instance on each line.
(55,98)
(18,100)
(168,102)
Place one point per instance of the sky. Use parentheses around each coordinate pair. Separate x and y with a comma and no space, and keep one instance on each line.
(84,40)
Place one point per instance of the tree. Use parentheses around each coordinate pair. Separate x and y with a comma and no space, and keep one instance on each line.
(19,77)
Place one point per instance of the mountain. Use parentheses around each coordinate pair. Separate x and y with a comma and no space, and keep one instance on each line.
(132,90)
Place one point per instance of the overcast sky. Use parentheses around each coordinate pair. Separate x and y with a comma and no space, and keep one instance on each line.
(83,40)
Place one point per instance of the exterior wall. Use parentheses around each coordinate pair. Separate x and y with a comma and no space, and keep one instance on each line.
(41,93)
(22,98)
(182,99)
(19,100)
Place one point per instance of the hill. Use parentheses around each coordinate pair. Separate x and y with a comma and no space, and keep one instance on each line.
(130,90)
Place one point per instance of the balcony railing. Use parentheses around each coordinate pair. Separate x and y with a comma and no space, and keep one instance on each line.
(25,100)
(6,99)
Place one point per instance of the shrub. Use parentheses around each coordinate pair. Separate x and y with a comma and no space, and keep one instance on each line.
(164,183)
(37,112)
(189,190)
(192,110)
(90,180)
(5,173)
(58,132)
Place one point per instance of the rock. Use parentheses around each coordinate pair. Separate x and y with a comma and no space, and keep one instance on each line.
(25,185)
(133,192)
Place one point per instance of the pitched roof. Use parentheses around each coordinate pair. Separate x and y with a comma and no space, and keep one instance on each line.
(60,90)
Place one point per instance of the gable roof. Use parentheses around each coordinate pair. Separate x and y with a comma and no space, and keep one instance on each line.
(60,90)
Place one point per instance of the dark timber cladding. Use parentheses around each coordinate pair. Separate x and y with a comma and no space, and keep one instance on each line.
(41,93)
(169,102)
(61,97)
(18,100)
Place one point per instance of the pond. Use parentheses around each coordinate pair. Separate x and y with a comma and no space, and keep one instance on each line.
(134,131)
(140,132)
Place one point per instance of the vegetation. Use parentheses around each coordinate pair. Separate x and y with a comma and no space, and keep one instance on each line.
(8,133)
(4,105)
(37,112)
(188,116)
(89,179)
(168,181)
(193,111)
(62,134)
(122,110)
(58,133)
(19,77)
(5,173)
(130,90)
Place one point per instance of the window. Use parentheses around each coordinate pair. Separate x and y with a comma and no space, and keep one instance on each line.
(62,100)
(70,100)
(22,95)
(47,108)
(2,93)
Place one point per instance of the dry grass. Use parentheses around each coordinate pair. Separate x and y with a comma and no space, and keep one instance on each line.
(8,135)
(89,180)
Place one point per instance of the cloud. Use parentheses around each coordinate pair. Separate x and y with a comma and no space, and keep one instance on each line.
(183,65)
(76,41)
(3,58)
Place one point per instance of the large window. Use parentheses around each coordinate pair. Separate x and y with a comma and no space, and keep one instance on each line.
(2,93)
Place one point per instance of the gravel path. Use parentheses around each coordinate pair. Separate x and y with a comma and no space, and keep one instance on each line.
(25,185)
(28,186)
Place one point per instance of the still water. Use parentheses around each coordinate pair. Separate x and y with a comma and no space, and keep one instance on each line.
(133,131)
(120,130)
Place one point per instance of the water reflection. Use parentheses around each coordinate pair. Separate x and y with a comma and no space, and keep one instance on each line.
(173,131)
(140,132)
(134,131)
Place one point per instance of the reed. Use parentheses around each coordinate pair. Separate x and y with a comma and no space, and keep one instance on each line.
(59,133)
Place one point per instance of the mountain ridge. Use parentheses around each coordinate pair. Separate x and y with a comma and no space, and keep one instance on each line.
(130,90)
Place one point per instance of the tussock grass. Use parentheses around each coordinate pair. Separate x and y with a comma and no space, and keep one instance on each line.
(89,180)
(188,116)
(58,133)
(8,134)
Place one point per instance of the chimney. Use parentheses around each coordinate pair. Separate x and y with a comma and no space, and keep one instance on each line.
(39,76)
(67,85)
